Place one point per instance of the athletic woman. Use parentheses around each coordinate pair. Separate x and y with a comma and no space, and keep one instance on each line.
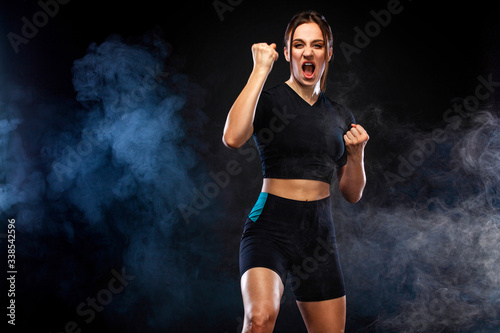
(303,139)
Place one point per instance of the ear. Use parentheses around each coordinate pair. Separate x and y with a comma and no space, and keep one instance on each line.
(330,54)
(287,56)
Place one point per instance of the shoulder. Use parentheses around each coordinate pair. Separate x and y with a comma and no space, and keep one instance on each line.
(331,103)
(277,90)
(340,109)
(276,95)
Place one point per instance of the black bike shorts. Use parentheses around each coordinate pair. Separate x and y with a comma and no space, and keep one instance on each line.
(296,237)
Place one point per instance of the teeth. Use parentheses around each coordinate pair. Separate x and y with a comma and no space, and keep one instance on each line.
(308,63)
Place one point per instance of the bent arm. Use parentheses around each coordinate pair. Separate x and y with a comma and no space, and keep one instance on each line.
(239,122)
(352,177)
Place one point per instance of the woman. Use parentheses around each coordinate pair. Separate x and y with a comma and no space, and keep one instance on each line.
(303,138)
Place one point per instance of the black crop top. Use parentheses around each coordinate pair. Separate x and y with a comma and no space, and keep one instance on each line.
(299,141)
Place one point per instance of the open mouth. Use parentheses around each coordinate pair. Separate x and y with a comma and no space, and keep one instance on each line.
(308,69)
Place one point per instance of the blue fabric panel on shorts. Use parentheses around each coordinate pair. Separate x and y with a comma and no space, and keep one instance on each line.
(259,206)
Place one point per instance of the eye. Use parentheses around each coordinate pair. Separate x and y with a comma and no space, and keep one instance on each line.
(297,45)
(318,46)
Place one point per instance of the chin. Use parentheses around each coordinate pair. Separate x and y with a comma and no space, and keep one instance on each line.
(308,83)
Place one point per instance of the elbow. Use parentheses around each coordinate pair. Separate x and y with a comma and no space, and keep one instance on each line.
(234,139)
(350,195)
(230,142)
(353,198)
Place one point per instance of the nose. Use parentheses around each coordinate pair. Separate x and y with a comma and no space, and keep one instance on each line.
(308,52)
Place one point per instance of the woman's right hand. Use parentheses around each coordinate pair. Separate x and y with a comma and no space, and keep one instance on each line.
(264,56)
(239,122)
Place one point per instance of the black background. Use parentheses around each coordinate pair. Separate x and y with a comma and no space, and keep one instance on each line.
(427,56)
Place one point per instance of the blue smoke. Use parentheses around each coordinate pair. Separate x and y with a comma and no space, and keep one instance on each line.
(22,183)
(424,256)
(95,184)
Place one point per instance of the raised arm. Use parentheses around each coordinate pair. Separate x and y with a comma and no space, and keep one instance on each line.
(239,122)
(352,177)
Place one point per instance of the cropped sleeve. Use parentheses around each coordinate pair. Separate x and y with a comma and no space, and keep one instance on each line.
(264,104)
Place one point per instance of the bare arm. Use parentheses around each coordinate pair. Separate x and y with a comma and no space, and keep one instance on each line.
(239,122)
(352,177)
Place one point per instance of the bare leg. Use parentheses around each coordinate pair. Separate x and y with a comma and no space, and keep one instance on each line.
(325,316)
(262,290)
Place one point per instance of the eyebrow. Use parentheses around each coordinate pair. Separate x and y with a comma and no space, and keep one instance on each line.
(314,41)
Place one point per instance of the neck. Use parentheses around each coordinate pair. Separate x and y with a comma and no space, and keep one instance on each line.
(309,93)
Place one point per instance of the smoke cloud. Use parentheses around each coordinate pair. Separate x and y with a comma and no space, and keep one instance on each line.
(94,185)
(421,254)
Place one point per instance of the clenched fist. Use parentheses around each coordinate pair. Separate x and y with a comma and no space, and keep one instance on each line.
(356,139)
(264,56)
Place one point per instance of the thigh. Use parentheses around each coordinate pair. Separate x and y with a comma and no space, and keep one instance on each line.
(261,289)
(324,316)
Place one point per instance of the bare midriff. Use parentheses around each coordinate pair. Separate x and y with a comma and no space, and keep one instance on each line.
(296,189)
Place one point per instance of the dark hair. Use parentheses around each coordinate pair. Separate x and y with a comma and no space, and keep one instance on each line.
(310,16)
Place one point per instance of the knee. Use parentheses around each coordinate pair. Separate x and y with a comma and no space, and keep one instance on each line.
(261,319)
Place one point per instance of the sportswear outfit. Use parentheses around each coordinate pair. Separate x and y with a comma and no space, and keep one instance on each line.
(297,140)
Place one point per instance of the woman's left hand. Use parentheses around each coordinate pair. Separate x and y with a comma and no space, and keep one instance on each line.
(355,140)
